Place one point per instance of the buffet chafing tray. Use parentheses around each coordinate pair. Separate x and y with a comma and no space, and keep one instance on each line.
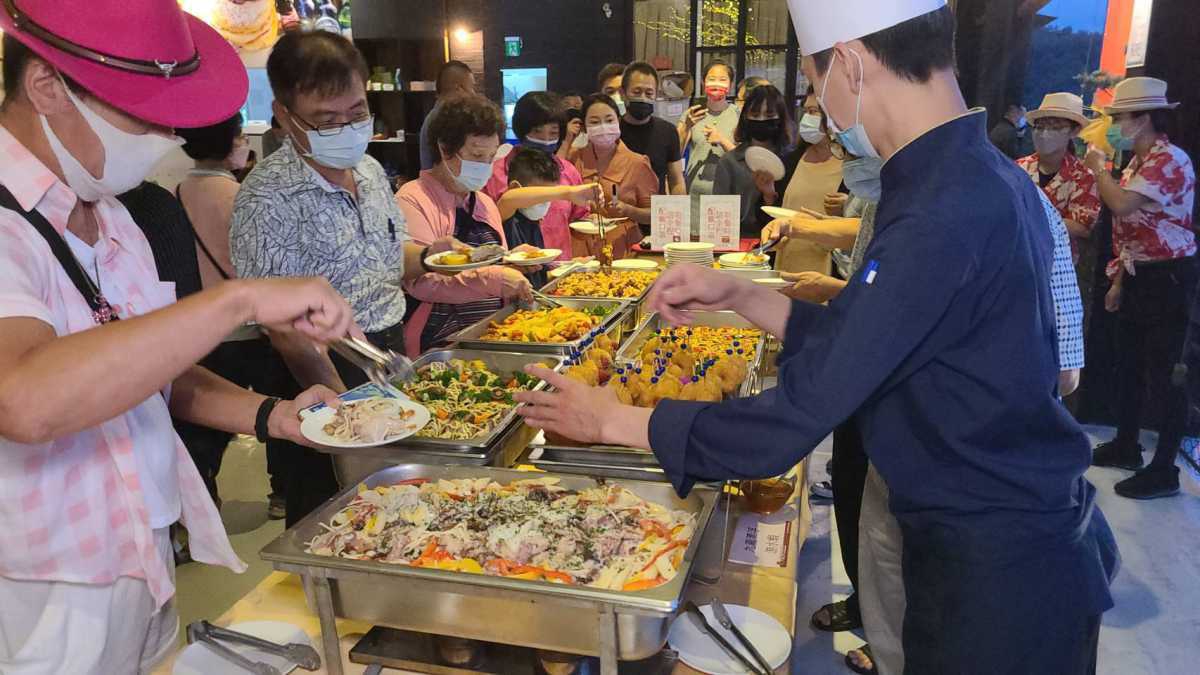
(576,619)
(624,462)
(615,324)
(501,445)
(637,301)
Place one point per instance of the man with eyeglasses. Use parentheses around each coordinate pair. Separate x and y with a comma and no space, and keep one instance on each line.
(319,206)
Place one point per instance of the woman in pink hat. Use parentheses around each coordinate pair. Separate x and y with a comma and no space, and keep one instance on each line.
(95,354)
(1153,277)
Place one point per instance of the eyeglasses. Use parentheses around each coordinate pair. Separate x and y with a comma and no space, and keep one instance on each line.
(335,128)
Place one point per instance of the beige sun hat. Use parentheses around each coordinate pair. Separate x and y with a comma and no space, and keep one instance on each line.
(1062,105)
(1136,94)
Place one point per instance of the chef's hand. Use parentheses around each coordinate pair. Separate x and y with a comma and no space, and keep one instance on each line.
(692,287)
(447,244)
(1095,160)
(765,183)
(576,410)
(514,285)
(1112,299)
(835,203)
(811,286)
(306,305)
(284,420)
(586,194)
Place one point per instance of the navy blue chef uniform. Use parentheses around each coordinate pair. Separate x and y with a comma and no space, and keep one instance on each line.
(944,342)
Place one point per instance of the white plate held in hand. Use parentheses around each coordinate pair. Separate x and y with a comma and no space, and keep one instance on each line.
(700,651)
(777,212)
(312,424)
(518,257)
(762,159)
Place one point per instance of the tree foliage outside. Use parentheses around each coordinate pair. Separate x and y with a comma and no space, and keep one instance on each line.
(1058,57)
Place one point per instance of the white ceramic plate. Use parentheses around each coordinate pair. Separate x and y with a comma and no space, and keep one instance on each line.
(698,650)
(777,212)
(200,659)
(588,227)
(548,255)
(634,264)
(432,263)
(503,151)
(772,282)
(563,269)
(312,426)
(689,246)
(762,159)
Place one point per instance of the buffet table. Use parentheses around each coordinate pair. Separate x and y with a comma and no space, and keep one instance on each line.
(280,596)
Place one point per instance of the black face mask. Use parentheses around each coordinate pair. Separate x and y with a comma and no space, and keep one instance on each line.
(763,131)
(574,114)
(639,110)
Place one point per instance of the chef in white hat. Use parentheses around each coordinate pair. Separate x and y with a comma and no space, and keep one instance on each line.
(943,347)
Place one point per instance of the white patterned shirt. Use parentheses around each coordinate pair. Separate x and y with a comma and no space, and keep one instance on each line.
(288,221)
(1064,286)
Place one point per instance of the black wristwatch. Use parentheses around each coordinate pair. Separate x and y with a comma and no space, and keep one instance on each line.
(424,255)
(260,420)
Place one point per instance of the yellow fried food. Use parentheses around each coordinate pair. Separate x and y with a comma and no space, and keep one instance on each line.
(561,324)
(453,259)
(605,284)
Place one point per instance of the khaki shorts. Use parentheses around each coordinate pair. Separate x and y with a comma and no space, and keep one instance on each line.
(49,627)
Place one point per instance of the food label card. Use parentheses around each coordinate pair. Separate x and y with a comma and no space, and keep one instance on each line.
(759,542)
(368,390)
(720,220)
(670,220)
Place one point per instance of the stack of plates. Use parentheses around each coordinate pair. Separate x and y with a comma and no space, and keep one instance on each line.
(691,252)
(744,261)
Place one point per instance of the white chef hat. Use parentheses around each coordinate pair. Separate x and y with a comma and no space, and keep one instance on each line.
(820,24)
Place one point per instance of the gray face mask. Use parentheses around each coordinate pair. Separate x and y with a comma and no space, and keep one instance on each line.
(861,176)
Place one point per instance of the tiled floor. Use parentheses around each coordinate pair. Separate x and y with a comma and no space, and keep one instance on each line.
(1155,627)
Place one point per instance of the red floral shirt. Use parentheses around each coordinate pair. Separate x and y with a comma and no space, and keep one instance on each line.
(1162,228)
(1073,191)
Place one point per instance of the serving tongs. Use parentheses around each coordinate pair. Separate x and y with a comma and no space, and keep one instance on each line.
(383,366)
(722,616)
(697,617)
(543,299)
(300,654)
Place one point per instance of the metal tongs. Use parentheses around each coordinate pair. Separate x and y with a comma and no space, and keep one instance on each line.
(697,617)
(383,366)
(726,621)
(300,654)
(542,298)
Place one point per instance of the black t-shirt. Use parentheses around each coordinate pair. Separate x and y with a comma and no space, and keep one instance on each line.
(658,140)
(1045,178)
(521,230)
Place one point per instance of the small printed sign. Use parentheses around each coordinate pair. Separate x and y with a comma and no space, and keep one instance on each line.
(760,541)
(670,220)
(720,220)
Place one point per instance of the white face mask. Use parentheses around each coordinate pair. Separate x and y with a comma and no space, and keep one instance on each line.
(810,129)
(1050,141)
(238,158)
(536,212)
(854,139)
(128,158)
(343,150)
(472,176)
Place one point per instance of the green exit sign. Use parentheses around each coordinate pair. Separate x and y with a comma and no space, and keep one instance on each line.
(512,46)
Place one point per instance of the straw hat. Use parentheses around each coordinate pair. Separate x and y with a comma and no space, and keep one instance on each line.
(146,57)
(1136,94)
(1061,105)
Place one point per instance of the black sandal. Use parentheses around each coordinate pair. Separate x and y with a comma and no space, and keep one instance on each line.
(866,651)
(841,617)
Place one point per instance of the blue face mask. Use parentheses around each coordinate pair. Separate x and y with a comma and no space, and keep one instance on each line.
(1117,138)
(854,139)
(549,146)
(861,176)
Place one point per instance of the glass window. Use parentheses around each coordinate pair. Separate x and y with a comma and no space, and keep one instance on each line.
(768,63)
(767,22)
(718,23)
(1064,47)
(662,33)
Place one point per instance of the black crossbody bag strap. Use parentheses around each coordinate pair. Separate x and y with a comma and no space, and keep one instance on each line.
(101,310)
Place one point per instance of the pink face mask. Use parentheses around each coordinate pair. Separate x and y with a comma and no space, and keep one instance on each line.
(604,135)
(240,155)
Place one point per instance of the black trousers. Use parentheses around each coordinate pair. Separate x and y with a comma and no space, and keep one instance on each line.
(255,365)
(1151,327)
(848,478)
(312,481)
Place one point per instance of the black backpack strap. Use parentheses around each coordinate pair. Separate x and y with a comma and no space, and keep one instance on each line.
(101,311)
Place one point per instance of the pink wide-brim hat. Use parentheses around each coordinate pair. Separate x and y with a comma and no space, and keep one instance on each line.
(147,58)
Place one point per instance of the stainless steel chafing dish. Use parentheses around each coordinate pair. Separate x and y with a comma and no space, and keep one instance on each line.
(615,324)
(501,445)
(623,462)
(576,619)
(637,301)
